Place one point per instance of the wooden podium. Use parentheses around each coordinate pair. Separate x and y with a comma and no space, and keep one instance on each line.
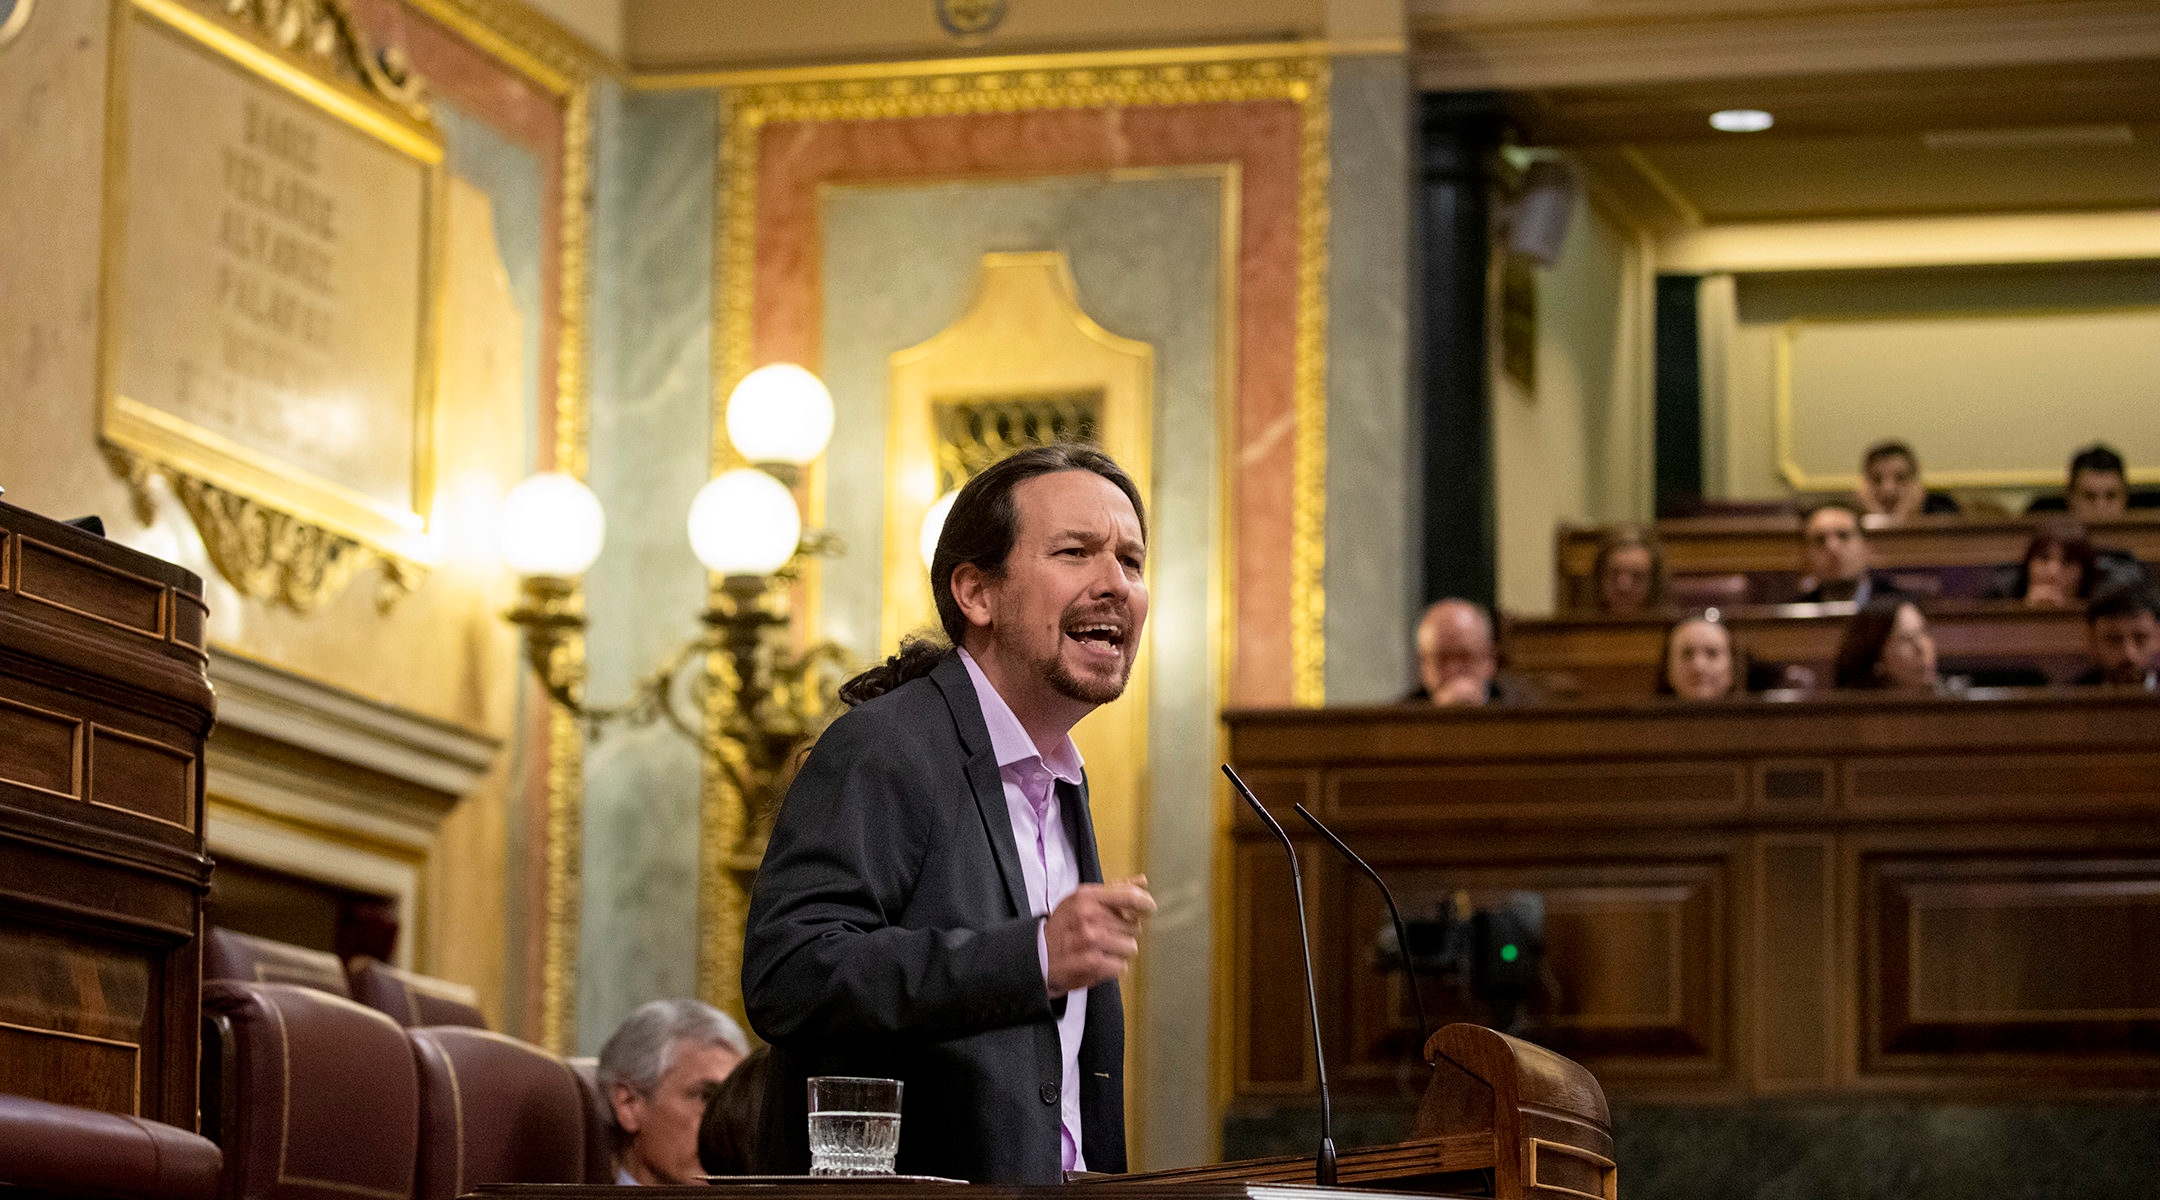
(1501,1118)
(104,706)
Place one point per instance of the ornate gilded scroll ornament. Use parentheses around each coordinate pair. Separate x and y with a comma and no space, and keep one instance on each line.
(268,555)
(978,431)
(325,30)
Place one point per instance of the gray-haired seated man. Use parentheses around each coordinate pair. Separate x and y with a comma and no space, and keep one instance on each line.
(655,1073)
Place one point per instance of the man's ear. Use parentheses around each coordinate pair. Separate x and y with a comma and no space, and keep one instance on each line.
(971,589)
(629,1112)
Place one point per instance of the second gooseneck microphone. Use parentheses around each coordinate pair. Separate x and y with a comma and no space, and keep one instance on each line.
(1324,1162)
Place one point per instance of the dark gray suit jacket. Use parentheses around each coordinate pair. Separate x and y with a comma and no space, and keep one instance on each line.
(889,935)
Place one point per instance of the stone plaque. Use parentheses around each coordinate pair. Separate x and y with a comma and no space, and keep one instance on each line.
(272,254)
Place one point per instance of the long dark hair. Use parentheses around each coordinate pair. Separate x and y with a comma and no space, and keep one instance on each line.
(727,1138)
(980,530)
(2075,545)
(1860,651)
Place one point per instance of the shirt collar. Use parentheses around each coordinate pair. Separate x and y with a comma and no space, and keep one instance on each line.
(1009,739)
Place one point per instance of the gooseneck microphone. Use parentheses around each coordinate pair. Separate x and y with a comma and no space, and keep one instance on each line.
(1402,935)
(1324,1162)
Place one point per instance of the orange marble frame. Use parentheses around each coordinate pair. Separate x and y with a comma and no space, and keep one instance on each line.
(1265,111)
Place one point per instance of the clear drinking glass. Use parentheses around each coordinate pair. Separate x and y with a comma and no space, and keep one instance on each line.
(854,1125)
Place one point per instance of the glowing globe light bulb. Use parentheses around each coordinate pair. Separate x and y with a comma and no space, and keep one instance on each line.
(551,525)
(780,414)
(933,524)
(744,522)
(1741,120)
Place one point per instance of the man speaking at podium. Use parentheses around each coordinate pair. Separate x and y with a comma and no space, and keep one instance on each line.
(931,908)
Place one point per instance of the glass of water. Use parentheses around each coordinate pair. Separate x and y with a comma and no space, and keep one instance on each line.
(854,1125)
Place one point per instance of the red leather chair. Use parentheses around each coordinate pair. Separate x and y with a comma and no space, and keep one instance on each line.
(51,1149)
(230,955)
(311,1096)
(411,999)
(494,1109)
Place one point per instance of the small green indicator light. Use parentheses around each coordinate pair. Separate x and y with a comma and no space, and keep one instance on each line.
(1509,953)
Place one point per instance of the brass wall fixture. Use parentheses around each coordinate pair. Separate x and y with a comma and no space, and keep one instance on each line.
(745,527)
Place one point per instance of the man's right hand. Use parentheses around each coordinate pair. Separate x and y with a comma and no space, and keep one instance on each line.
(1093,935)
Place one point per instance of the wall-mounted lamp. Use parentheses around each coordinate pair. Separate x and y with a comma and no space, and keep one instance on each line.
(745,527)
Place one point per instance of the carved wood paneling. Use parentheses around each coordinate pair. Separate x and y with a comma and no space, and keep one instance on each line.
(144,776)
(1879,895)
(67,1069)
(1442,793)
(1963,784)
(2000,957)
(1636,958)
(1274,1047)
(84,587)
(1795,968)
(44,749)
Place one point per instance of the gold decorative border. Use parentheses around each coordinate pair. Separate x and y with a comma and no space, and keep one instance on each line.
(559,64)
(750,100)
(1784,405)
(1137,57)
(1308,495)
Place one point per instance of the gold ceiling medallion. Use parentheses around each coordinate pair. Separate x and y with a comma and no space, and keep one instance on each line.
(970,21)
(325,30)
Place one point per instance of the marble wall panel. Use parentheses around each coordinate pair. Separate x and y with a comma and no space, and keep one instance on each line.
(794,159)
(1373,461)
(651,434)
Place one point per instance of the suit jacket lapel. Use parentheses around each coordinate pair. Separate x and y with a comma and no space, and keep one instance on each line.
(951,677)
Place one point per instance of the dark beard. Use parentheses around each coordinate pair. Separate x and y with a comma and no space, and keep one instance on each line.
(1072,687)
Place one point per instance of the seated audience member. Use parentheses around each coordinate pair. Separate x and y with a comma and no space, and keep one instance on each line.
(2059,569)
(727,1138)
(655,1074)
(2122,632)
(1630,572)
(2097,488)
(1887,646)
(1458,663)
(1890,484)
(1700,661)
(1837,558)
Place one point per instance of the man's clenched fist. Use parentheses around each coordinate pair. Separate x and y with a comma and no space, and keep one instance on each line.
(1093,934)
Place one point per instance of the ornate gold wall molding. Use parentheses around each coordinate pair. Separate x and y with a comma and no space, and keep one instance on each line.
(325,30)
(749,101)
(1308,486)
(569,70)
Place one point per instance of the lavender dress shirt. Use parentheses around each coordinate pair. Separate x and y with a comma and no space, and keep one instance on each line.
(1047,862)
